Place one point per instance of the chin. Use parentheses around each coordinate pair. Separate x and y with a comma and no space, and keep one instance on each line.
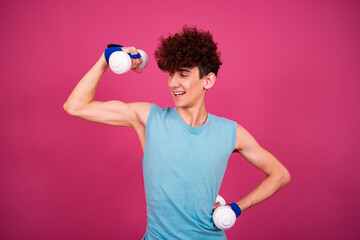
(181,105)
(177,104)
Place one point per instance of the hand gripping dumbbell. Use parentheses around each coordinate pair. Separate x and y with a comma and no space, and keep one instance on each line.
(223,216)
(120,61)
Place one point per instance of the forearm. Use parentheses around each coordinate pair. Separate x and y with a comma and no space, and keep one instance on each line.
(84,91)
(269,186)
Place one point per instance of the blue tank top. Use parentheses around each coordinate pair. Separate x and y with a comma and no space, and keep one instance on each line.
(183,168)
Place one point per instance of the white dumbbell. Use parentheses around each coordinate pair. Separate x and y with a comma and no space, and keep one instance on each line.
(223,216)
(120,62)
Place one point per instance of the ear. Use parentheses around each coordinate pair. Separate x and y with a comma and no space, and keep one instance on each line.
(209,80)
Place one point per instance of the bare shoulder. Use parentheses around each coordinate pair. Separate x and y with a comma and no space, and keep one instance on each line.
(244,140)
(142,110)
(256,155)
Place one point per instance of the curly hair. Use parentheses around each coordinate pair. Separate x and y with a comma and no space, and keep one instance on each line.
(188,49)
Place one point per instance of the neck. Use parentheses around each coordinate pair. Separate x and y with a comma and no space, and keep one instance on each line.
(194,116)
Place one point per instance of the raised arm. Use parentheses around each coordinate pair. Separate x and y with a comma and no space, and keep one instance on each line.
(81,102)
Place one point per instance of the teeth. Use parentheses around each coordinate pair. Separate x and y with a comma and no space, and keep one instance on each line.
(179,93)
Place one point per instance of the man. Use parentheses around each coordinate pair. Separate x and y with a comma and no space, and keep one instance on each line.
(185,148)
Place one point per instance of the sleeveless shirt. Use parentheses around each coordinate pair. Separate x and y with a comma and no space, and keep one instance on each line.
(183,167)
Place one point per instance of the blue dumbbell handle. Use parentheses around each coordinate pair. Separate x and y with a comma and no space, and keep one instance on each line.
(115,47)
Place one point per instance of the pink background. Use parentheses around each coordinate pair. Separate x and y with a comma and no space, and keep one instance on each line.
(290,77)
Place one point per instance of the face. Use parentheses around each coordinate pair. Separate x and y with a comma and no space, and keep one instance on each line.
(186,88)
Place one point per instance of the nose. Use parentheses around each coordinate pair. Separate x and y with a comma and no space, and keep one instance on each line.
(173,82)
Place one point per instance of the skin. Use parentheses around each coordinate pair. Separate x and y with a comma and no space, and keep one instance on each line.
(191,108)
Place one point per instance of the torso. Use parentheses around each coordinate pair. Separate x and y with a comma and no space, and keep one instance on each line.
(141,132)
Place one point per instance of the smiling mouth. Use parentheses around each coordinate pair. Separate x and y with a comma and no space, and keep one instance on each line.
(179,93)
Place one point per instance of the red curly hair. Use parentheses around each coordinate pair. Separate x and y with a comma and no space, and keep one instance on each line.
(190,48)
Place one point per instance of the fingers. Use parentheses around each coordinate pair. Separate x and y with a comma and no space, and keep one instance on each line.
(135,63)
(216,205)
(137,70)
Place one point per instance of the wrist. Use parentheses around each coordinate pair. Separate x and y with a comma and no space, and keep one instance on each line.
(235,208)
(102,61)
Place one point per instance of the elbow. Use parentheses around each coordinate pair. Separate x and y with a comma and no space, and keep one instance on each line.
(281,176)
(65,107)
(285,178)
(68,109)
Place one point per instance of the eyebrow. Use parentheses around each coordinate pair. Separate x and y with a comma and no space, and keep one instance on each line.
(183,70)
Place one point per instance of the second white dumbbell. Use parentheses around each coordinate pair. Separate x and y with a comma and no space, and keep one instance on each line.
(223,216)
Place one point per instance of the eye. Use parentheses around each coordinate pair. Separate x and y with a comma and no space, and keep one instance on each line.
(171,74)
(183,75)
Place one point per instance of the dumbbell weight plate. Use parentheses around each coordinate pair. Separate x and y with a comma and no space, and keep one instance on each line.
(221,200)
(120,62)
(224,217)
(144,59)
